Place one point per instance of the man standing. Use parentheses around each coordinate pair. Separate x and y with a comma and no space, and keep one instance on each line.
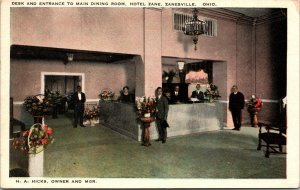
(162,115)
(78,100)
(236,104)
(176,96)
(197,93)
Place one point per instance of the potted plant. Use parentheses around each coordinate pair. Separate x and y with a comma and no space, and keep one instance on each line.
(38,106)
(146,106)
(168,76)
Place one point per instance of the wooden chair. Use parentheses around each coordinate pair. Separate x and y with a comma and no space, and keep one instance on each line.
(274,138)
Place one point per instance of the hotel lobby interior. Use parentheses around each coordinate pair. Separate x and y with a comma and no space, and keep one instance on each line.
(144,48)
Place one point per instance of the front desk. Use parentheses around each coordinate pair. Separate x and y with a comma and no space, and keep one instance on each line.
(183,119)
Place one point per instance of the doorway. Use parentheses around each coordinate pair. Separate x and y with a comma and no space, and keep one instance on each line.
(64,83)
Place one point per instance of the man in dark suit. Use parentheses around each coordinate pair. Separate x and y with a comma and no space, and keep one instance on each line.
(78,100)
(176,95)
(161,115)
(197,93)
(236,104)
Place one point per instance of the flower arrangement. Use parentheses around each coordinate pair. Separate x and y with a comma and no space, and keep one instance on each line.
(55,98)
(212,92)
(35,139)
(106,94)
(254,104)
(168,76)
(146,106)
(37,105)
(91,114)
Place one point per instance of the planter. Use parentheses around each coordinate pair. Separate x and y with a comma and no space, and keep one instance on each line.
(36,157)
(36,164)
(92,122)
(254,119)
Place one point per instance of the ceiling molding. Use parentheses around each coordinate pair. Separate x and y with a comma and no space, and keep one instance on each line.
(223,13)
(273,17)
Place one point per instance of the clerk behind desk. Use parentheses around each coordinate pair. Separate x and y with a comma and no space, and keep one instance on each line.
(198,94)
(176,95)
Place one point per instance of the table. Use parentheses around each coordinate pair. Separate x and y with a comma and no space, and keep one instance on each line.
(146,123)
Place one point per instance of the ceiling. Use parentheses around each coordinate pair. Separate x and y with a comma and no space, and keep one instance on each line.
(253,12)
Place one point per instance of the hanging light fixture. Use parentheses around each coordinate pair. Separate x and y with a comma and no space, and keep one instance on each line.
(70,57)
(194,27)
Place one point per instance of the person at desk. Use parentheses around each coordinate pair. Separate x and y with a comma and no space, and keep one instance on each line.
(176,95)
(125,96)
(197,93)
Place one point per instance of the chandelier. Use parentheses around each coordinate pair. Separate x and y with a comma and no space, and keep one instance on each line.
(194,27)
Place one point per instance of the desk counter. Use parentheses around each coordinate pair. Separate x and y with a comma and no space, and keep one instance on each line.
(183,119)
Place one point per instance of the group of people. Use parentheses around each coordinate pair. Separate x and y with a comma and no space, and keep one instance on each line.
(236,104)
(79,99)
(176,96)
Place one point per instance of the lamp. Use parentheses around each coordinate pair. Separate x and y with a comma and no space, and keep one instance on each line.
(70,56)
(181,74)
(194,27)
(180,65)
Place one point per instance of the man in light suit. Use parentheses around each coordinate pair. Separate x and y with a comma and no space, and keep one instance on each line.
(78,100)
(161,115)
(197,93)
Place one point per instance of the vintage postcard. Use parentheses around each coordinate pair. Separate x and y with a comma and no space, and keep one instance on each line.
(149,94)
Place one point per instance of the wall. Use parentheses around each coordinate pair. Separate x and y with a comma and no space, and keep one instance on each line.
(79,28)
(149,34)
(271,61)
(153,66)
(271,66)
(83,29)
(26,78)
(27,73)
(63,28)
